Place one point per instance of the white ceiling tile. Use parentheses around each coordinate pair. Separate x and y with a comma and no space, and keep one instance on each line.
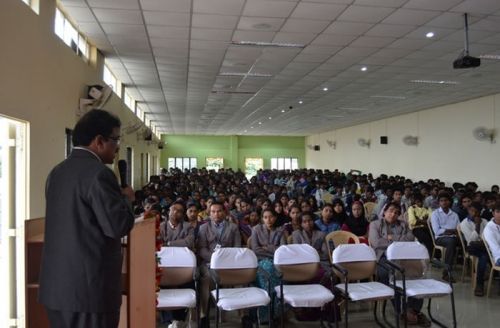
(174,32)
(263,8)
(477,7)
(451,20)
(81,14)
(389,30)
(439,33)
(304,25)
(348,28)
(356,52)
(112,4)
(381,3)
(219,7)
(264,24)
(254,36)
(73,3)
(309,10)
(166,18)
(410,44)
(431,4)
(214,21)
(299,38)
(182,6)
(371,41)
(489,23)
(169,43)
(124,29)
(118,16)
(211,34)
(410,17)
(365,14)
(333,40)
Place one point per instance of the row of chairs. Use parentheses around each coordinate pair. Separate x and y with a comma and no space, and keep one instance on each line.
(297,264)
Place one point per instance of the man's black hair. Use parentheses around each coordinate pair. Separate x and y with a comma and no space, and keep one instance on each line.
(94,123)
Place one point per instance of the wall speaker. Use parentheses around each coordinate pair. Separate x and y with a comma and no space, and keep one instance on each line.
(316,147)
(383,140)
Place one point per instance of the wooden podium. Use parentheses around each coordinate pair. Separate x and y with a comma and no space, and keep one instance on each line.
(139,268)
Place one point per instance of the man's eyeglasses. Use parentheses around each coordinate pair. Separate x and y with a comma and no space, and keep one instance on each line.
(115,139)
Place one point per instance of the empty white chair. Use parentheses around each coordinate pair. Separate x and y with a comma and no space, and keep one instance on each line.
(235,267)
(410,260)
(178,267)
(299,263)
(352,262)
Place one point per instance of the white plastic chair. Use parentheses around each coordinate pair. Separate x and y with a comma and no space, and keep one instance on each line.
(235,267)
(299,263)
(409,259)
(352,262)
(178,267)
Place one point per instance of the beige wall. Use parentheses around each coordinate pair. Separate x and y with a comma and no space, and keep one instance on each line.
(446,149)
(41,81)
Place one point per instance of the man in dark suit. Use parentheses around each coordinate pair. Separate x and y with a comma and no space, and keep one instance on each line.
(86,215)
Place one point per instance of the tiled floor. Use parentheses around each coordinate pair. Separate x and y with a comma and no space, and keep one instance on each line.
(471,311)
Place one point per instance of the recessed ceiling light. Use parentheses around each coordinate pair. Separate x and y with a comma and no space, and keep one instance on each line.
(251,127)
(282,110)
(497,57)
(434,82)
(245,131)
(325,89)
(270,118)
(364,68)
(267,44)
(301,102)
(429,35)
(260,123)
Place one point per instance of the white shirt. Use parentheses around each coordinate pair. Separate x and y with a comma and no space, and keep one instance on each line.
(468,228)
(491,235)
(442,221)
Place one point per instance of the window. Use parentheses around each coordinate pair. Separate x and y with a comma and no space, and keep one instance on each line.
(139,112)
(284,163)
(129,101)
(33,4)
(182,162)
(252,165)
(69,34)
(215,163)
(109,78)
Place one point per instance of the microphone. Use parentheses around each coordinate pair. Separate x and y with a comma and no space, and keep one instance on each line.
(122,170)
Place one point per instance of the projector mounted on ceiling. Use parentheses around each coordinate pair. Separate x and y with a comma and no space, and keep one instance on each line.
(465,60)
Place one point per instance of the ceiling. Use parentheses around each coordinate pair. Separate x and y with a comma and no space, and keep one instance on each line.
(179,59)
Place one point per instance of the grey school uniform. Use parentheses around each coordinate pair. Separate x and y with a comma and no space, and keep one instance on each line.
(209,236)
(264,241)
(317,240)
(380,229)
(180,236)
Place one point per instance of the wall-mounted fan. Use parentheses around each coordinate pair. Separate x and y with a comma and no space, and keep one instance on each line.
(132,127)
(97,96)
(364,142)
(484,134)
(145,135)
(332,144)
(410,140)
(161,144)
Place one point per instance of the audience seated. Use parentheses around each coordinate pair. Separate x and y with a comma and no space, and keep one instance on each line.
(417,220)
(357,222)
(472,228)
(444,223)
(204,210)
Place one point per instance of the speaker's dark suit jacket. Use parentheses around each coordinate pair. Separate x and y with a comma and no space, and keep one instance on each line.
(86,215)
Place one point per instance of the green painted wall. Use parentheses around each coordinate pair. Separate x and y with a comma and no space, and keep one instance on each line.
(234,149)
